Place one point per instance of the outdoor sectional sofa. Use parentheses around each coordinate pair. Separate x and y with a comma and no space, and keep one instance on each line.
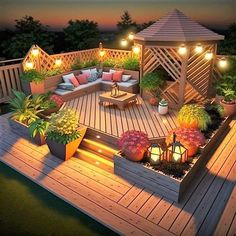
(52,82)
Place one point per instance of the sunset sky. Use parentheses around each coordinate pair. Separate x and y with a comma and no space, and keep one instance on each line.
(56,13)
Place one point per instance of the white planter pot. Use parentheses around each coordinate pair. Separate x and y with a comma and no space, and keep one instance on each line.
(162,110)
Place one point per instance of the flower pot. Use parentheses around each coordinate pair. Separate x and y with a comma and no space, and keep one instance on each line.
(66,151)
(163,108)
(33,88)
(133,154)
(229,107)
(49,111)
(23,130)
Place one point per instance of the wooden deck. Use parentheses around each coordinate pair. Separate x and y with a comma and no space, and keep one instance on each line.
(113,121)
(122,206)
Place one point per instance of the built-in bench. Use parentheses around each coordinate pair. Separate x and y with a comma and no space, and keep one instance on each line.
(51,83)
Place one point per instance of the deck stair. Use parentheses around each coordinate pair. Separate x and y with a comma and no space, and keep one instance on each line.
(96,153)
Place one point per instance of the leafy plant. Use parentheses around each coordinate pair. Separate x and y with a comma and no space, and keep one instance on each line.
(131,63)
(24,108)
(89,63)
(63,127)
(134,140)
(52,72)
(193,116)
(33,76)
(214,108)
(76,65)
(38,126)
(109,63)
(153,81)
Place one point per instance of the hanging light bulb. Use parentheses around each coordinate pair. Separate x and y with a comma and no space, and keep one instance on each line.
(29,65)
(182,49)
(209,55)
(198,48)
(123,42)
(131,36)
(222,63)
(58,62)
(136,49)
(35,51)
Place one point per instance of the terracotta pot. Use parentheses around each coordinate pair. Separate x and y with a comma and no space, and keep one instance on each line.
(66,151)
(229,108)
(153,101)
(133,156)
(33,88)
(49,111)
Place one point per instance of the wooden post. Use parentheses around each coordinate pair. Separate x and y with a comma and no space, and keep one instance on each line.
(141,66)
(183,77)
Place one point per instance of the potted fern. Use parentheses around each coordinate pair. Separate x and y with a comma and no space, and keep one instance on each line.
(64,134)
(33,82)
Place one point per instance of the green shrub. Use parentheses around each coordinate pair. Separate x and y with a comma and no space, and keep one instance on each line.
(109,63)
(63,126)
(76,65)
(38,126)
(193,116)
(131,63)
(33,76)
(89,63)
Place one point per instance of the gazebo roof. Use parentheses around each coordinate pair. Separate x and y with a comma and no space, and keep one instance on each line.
(177,27)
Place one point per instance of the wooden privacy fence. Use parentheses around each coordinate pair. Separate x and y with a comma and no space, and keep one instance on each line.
(9,79)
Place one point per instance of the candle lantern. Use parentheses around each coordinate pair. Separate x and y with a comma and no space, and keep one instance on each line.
(155,154)
(114,90)
(176,152)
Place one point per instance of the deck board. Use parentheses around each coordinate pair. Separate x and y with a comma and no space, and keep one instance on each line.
(109,119)
(118,203)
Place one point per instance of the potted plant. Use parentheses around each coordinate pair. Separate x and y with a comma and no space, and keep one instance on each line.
(37,130)
(152,82)
(64,134)
(25,109)
(33,82)
(134,144)
(163,107)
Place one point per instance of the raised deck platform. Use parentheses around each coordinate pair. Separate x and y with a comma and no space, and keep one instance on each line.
(111,121)
(120,205)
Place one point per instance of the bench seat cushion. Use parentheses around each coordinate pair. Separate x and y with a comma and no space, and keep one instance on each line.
(127,84)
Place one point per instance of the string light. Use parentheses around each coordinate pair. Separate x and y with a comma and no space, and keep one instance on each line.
(182,49)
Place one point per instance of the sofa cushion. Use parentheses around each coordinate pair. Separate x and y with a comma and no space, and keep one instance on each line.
(66,86)
(127,84)
(106,76)
(125,78)
(93,71)
(117,76)
(93,77)
(112,71)
(74,81)
(66,78)
(82,79)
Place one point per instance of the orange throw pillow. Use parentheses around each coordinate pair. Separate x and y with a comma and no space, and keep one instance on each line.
(117,76)
(74,81)
(82,79)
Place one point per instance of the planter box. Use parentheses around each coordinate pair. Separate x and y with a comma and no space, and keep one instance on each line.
(66,151)
(23,130)
(158,182)
(33,88)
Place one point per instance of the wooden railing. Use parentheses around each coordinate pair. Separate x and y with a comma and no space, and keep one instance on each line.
(9,79)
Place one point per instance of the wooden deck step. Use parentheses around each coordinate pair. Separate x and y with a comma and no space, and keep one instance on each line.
(94,159)
(98,148)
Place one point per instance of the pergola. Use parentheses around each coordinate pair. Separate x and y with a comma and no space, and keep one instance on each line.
(186,50)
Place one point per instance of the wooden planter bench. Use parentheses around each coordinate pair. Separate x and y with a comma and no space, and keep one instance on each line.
(163,184)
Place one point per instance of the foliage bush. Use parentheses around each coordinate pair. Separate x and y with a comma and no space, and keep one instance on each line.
(33,76)
(153,81)
(193,116)
(63,127)
(131,63)
(25,109)
(38,126)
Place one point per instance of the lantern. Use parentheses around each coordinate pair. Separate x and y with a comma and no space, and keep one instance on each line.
(209,55)
(29,65)
(222,63)
(155,154)
(131,36)
(101,53)
(58,62)
(123,42)
(136,49)
(176,152)
(182,49)
(35,51)
(198,48)
(114,90)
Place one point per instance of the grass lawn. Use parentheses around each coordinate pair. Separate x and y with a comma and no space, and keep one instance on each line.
(28,209)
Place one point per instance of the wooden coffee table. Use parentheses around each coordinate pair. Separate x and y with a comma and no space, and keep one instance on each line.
(120,101)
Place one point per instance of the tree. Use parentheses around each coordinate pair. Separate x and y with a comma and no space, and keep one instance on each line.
(144,25)
(126,24)
(81,34)
(28,32)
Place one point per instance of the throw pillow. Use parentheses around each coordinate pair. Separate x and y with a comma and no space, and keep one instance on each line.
(107,76)
(112,71)
(87,72)
(125,78)
(66,86)
(82,79)
(93,77)
(117,76)
(74,81)
(66,78)
(93,71)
